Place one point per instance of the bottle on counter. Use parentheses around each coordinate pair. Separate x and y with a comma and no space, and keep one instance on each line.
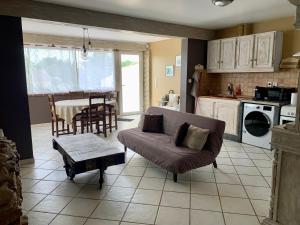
(238,90)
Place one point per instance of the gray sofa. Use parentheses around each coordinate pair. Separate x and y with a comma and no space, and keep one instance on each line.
(161,150)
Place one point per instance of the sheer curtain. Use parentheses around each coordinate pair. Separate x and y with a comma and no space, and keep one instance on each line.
(97,71)
(50,70)
(55,70)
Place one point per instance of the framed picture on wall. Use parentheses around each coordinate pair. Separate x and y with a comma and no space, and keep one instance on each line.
(178,61)
(169,71)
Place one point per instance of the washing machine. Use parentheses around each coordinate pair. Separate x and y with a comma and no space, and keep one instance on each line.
(258,120)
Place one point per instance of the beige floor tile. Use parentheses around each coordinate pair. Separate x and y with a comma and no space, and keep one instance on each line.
(68,220)
(202,176)
(92,191)
(204,188)
(206,218)
(57,176)
(101,222)
(261,207)
(35,173)
(253,181)
(143,196)
(110,210)
(52,204)
(80,207)
(50,165)
(27,184)
(39,218)
(31,199)
(205,202)
(238,155)
(258,156)
(267,172)
(236,219)
(237,205)
(224,161)
(227,178)
(133,171)
(127,223)
(127,181)
(247,170)
(171,216)
(229,190)
(242,162)
(67,189)
(83,178)
(175,199)
(263,163)
(225,169)
(182,176)
(138,162)
(120,194)
(109,179)
(152,183)
(140,213)
(258,193)
(44,187)
(155,172)
(208,168)
(179,186)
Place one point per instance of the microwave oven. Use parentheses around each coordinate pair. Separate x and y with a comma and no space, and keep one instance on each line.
(278,94)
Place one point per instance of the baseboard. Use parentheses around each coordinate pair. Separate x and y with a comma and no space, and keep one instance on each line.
(232,137)
(26,161)
(269,222)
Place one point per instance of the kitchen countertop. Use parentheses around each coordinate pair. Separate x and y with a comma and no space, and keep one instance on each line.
(245,99)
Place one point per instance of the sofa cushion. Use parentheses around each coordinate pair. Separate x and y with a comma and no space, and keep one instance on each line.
(161,150)
(195,138)
(181,134)
(153,123)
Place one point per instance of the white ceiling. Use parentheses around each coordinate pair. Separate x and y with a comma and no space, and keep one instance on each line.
(199,13)
(68,30)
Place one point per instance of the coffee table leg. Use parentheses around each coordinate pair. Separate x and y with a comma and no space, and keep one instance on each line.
(69,170)
(101,179)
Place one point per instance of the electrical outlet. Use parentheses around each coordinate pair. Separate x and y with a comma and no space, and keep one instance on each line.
(275,84)
(269,84)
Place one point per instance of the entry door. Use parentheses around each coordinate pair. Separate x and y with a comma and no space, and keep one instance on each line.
(131,82)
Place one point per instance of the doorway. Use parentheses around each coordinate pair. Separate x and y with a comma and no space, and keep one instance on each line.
(131,82)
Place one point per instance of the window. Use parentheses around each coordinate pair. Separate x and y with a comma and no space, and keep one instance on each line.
(53,70)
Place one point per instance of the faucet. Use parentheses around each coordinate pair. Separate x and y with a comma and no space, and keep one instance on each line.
(230,89)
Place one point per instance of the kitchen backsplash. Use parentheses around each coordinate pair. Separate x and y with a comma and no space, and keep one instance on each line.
(213,84)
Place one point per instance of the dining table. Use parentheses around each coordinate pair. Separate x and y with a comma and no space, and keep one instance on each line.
(67,109)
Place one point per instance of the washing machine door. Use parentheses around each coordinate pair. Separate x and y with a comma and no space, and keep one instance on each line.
(257,123)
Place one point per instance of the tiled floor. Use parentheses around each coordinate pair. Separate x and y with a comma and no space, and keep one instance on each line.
(140,193)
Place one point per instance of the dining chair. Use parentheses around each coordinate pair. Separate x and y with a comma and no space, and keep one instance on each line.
(95,114)
(76,94)
(112,110)
(55,119)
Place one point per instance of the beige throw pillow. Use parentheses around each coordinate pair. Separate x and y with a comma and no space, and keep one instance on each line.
(196,138)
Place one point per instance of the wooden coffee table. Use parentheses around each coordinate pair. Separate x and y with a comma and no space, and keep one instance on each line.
(85,152)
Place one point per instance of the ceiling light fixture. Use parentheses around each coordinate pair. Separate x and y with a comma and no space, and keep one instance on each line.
(221,3)
(84,53)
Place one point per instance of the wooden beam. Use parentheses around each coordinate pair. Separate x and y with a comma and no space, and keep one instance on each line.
(72,15)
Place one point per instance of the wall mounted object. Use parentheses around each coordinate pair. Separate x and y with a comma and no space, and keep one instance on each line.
(169,71)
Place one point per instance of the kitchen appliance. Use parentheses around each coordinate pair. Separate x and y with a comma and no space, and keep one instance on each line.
(258,120)
(294,98)
(288,114)
(278,94)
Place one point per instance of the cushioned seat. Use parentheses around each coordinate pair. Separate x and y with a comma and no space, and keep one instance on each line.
(160,148)
(168,156)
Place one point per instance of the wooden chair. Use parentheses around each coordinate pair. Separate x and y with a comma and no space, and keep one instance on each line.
(55,119)
(112,111)
(82,118)
(76,94)
(95,114)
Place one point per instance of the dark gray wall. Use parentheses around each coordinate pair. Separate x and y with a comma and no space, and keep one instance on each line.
(14,110)
(193,52)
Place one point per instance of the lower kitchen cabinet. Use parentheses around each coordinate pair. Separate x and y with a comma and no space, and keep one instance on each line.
(226,110)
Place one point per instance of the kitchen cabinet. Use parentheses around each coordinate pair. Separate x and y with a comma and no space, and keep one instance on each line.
(251,53)
(244,52)
(226,110)
(227,57)
(213,55)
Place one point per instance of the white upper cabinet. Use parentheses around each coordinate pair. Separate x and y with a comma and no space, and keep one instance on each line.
(213,55)
(244,52)
(251,53)
(263,50)
(227,58)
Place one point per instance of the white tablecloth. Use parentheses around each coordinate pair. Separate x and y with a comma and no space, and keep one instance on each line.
(67,109)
